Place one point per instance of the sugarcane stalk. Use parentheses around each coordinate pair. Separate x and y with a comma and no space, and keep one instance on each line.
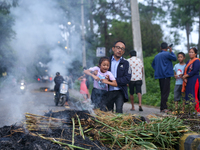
(80,127)
(88,130)
(57,142)
(73,131)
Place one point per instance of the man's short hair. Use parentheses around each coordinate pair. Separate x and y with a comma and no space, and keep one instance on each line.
(119,41)
(181,54)
(133,53)
(164,45)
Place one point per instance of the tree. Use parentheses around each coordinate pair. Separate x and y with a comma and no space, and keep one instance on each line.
(121,30)
(182,17)
(7,55)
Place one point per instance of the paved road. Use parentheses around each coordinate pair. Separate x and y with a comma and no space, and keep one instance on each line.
(127,106)
(14,105)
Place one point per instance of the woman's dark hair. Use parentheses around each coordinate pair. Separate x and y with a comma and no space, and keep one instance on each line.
(103,59)
(195,50)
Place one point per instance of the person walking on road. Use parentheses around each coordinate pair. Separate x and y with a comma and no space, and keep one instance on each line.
(120,69)
(58,80)
(136,66)
(163,70)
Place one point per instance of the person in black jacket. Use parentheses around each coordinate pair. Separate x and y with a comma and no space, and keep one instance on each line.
(58,80)
(121,71)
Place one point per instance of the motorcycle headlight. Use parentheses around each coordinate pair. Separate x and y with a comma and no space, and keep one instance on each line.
(22,87)
(22,83)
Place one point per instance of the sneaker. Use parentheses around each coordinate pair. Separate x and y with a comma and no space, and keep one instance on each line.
(140,108)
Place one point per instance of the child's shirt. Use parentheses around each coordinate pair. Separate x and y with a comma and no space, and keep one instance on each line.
(179,69)
(99,84)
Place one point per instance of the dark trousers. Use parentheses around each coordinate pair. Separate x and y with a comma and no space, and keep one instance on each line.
(97,96)
(115,97)
(165,89)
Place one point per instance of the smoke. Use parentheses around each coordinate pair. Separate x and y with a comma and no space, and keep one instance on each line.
(42,37)
(38,35)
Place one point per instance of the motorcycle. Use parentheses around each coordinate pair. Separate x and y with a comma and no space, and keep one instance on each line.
(22,87)
(63,94)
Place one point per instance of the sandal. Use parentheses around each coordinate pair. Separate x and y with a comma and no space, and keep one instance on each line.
(140,108)
(164,111)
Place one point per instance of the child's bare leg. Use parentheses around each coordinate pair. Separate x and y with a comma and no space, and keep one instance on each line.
(84,96)
(88,95)
(183,108)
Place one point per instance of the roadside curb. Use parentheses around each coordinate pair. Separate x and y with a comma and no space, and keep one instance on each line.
(189,141)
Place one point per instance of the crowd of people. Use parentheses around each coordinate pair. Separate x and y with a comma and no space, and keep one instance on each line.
(187,77)
(114,75)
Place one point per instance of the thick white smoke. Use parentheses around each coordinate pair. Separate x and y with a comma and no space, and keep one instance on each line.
(37,34)
(37,26)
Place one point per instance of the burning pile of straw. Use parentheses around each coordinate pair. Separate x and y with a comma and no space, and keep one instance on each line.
(70,129)
(115,131)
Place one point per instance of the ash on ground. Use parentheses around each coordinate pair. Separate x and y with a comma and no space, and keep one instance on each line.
(47,137)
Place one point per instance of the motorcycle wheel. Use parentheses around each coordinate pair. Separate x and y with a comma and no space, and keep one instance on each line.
(63,100)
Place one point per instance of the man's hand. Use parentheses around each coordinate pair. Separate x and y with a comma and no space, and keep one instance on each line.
(170,49)
(104,81)
(107,77)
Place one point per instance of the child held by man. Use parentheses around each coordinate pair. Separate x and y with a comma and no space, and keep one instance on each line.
(178,74)
(101,81)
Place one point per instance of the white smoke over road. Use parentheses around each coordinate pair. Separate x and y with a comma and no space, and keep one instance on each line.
(37,28)
(37,34)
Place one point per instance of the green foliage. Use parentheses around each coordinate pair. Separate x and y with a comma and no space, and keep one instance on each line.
(149,71)
(151,36)
(121,31)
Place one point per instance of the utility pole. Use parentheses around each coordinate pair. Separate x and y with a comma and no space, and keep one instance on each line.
(83,34)
(137,42)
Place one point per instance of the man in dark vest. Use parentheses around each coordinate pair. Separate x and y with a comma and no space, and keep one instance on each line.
(121,71)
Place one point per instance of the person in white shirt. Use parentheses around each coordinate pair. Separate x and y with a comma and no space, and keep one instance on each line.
(136,66)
